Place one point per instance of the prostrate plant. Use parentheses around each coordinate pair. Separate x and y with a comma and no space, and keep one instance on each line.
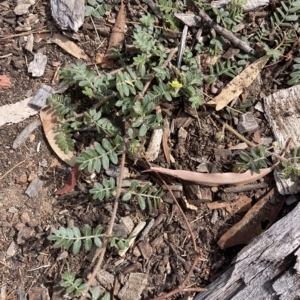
(255,160)
(76,286)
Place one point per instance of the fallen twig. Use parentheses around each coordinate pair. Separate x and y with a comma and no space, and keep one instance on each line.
(108,232)
(225,33)
(12,169)
(196,250)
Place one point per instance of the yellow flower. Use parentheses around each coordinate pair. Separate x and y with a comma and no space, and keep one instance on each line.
(176,84)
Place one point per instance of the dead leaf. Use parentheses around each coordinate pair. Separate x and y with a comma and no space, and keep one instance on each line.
(69,46)
(99,58)
(55,163)
(256,220)
(5,82)
(243,204)
(71,181)
(239,83)
(49,121)
(116,38)
(256,137)
(214,179)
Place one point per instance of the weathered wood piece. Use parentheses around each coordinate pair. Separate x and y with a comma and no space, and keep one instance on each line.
(39,100)
(68,14)
(283,115)
(22,137)
(23,6)
(265,269)
(133,287)
(250,4)
(38,65)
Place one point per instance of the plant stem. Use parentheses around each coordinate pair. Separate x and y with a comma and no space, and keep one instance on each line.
(250,144)
(108,232)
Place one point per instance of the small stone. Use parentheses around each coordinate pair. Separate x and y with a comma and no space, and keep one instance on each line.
(33,223)
(2,214)
(19,226)
(22,179)
(13,210)
(38,65)
(24,234)
(25,218)
(31,176)
(34,187)
(32,138)
(12,249)
(247,123)
(62,255)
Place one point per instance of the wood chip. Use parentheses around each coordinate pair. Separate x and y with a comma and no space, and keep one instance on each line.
(22,6)
(133,287)
(24,135)
(69,46)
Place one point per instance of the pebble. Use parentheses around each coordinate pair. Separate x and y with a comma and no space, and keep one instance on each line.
(12,249)
(13,210)
(247,123)
(24,234)
(22,179)
(2,214)
(31,176)
(25,219)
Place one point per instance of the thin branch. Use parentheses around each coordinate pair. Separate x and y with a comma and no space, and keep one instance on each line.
(250,144)
(12,169)
(108,232)
(225,33)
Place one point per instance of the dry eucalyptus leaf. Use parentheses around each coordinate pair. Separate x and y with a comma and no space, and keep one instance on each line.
(237,85)
(116,38)
(214,179)
(69,46)
(49,121)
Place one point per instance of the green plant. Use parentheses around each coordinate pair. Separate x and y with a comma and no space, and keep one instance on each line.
(254,160)
(295,74)
(66,237)
(96,8)
(147,192)
(77,286)
(72,285)
(291,168)
(104,153)
(286,14)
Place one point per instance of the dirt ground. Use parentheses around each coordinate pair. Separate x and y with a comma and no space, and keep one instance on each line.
(27,260)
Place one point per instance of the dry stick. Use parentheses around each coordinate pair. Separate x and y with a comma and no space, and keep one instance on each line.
(12,169)
(225,33)
(25,33)
(109,230)
(242,138)
(181,287)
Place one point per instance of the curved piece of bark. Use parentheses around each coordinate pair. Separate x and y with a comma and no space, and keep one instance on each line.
(265,269)
(214,179)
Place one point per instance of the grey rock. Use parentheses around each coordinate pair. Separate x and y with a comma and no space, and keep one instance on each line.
(247,123)
(34,187)
(68,14)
